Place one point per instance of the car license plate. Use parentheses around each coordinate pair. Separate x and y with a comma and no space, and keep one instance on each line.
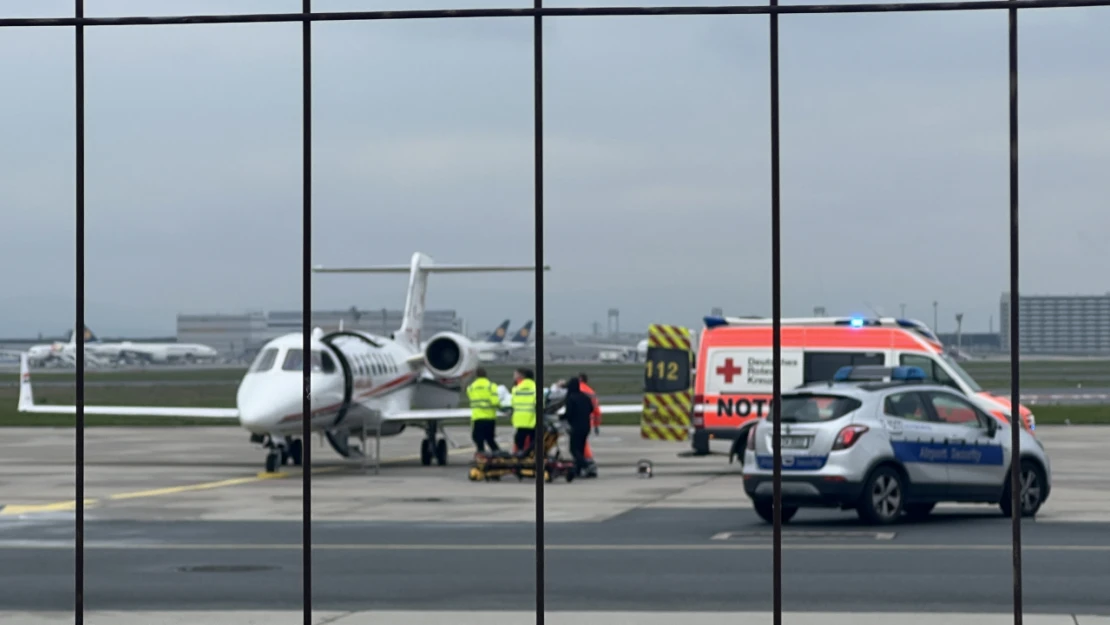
(795,442)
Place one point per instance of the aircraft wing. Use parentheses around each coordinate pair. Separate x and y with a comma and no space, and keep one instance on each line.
(27,404)
(607,409)
(430,414)
(444,414)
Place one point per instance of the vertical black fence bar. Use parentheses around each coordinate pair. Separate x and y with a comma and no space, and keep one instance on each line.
(79,322)
(1015,344)
(306,311)
(537,442)
(776,325)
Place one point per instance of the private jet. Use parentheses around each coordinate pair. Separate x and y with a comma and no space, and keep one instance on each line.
(360,383)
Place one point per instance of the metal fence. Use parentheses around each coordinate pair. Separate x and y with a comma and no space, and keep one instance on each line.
(773,10)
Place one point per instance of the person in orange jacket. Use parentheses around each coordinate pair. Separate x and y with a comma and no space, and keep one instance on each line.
(595,416)
(595,419)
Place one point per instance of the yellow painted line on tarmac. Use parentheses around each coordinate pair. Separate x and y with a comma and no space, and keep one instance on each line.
(59,506)
(173,490)
(66,506)
(102,545)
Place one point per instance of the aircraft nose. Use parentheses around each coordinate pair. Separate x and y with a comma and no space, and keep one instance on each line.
(261,412)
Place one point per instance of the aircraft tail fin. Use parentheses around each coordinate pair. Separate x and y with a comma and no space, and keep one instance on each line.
(89,337)
(523,334)
(418,269)
(498,335)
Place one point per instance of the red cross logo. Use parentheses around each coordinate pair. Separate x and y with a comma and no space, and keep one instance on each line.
(729,370)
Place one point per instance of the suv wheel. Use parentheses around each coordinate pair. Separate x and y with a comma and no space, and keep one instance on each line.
(1032,490)
(883,497)
(765,508)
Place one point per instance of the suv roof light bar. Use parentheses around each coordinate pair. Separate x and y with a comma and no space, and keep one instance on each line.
(875,373)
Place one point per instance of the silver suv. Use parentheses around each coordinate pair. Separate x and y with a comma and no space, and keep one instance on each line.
(885,442)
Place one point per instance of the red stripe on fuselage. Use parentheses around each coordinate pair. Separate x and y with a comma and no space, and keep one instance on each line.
(373,391)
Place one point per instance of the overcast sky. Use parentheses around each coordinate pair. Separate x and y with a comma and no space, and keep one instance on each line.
(894,164)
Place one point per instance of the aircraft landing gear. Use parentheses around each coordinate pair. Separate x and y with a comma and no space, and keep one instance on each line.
(295,453)
(281,451)
(433,447)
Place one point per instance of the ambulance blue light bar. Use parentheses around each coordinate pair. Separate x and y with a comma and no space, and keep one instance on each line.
(715,322)
(910,324)
(872,373)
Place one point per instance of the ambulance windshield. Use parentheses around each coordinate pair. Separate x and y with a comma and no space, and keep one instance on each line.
(963,375)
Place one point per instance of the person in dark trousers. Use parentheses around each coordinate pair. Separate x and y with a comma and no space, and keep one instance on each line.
(524,410)
(484,400)
(578,408)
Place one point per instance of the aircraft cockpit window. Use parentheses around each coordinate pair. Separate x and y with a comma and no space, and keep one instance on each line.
(294,361)
(265,360)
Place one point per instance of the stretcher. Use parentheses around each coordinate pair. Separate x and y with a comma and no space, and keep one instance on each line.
(495,465)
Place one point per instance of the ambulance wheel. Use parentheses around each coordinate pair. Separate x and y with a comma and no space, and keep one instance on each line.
(1032,483)
(426,452)
(272,460)
(700,443)
(441,452)
(765,508)
(883,496)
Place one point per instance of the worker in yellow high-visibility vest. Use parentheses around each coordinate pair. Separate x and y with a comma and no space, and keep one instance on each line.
(483,397)
(524,410)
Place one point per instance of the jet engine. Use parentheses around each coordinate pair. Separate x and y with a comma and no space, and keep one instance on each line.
(449,356)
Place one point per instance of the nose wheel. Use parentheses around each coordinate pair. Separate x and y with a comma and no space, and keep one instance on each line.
(282,452)
(272,460)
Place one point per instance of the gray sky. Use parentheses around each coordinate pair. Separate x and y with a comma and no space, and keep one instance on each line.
(894,163)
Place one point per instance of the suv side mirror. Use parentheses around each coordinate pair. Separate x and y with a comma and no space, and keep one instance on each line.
(992,427)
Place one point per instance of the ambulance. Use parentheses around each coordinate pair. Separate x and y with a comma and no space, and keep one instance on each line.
(733,374)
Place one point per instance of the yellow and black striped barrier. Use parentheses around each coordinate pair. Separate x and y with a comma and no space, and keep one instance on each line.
(668,384)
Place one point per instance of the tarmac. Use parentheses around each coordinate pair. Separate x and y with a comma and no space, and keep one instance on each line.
(180,520)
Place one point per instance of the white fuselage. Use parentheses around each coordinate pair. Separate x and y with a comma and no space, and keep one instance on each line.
(505,348)
(355,378)
(155,352)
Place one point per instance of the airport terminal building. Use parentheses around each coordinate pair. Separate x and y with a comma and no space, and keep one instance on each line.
(243,334)
(1059,324)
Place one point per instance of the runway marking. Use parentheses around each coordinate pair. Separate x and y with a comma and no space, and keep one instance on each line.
(130,546)
(67,506)
(805,534)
